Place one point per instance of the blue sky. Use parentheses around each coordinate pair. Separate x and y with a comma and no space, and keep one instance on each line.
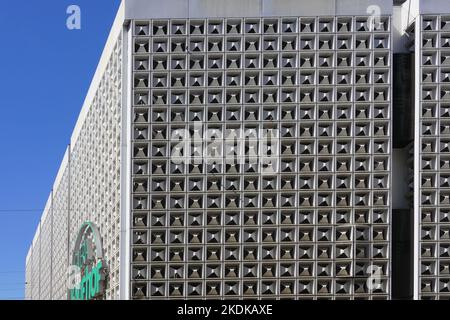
(45,72)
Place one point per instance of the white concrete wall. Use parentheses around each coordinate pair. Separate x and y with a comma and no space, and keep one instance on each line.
(41,242)
(154,9)
(412,8)
(435,6)
(102,65)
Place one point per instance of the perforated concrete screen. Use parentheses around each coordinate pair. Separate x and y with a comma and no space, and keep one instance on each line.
(87,189)
(434,59)
(247,150)
(313,227)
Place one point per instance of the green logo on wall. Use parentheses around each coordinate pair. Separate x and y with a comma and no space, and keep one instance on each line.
(89,262)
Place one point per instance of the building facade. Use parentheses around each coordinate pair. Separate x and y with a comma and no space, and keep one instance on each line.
(254,149)
(431,41)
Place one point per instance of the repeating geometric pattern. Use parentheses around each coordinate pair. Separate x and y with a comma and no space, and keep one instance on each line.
(60,249)
(311,230)
(95,169)
(434,206)
(46,253)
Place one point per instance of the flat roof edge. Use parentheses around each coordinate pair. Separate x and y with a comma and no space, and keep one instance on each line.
(435,7)
(182,9)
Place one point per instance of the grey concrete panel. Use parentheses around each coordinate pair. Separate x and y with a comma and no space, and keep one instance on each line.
(220,8)
(435,6)
(147,9)
(297,8)
(360,7)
